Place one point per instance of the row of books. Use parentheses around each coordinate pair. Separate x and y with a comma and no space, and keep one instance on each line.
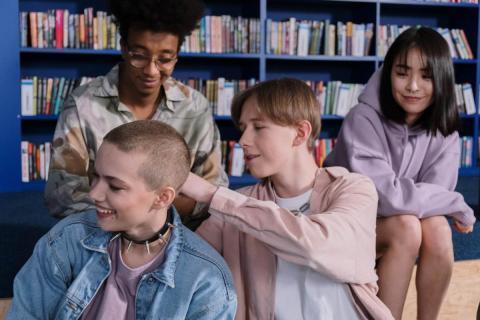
(58,28)
(464,98)
(220,92)
(312,37)
(224,34)
(35,160)
(456,39)
(466,151)
(45,96)
(322,148)
(336,97)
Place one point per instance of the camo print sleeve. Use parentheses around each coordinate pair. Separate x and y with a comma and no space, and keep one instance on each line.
(66,191)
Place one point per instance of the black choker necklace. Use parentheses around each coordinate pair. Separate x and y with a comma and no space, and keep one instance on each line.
(160,235)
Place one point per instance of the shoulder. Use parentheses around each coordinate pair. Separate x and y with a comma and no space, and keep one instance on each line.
(74,227)
(341,178)
(95,87)
(186,97)
(364,113)
(204,259)
(200,250)
(95,93)
(439,144)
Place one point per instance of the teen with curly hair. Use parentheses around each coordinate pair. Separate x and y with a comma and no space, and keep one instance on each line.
(140,87)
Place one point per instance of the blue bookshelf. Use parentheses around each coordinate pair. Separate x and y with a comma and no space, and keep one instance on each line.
(18,62)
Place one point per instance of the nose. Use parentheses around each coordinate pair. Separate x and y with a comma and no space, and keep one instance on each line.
(412,84)
(151,68)
(245,139)
(97,193)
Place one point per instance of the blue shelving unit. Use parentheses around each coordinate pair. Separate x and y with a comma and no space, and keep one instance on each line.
(18,62)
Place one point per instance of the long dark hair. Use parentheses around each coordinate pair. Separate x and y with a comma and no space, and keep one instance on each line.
(442,115)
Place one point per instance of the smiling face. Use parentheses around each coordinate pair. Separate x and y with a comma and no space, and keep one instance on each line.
(160,48)
(412,86)
(124,202)
(267,146)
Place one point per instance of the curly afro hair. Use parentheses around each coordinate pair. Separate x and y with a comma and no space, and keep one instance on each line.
(178,17)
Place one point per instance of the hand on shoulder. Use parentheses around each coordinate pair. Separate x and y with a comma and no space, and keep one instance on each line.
(198,188)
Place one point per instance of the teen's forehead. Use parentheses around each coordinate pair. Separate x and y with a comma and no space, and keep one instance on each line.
(413,57)
(112,161)
(250,111)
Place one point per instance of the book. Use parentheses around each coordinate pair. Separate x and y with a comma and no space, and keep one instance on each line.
(24,159)
(26,88)
(469,100)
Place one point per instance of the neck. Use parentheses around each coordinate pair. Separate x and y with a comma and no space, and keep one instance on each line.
(297,178)
(147,244)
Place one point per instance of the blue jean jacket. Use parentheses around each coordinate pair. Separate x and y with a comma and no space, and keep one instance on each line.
(71,262)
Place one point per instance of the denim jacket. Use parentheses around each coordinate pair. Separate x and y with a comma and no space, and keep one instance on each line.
(70,263)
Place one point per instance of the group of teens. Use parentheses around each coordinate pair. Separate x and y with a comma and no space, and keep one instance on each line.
(135,152)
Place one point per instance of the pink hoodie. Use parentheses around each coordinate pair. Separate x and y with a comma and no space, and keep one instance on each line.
(414,172)
(336,237)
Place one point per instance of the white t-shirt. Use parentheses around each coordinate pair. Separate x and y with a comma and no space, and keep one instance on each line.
(302,293)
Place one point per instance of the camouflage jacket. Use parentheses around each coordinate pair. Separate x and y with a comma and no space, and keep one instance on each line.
(94,109)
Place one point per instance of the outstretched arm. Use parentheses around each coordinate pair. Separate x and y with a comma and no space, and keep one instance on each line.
(338,242)
(198,188)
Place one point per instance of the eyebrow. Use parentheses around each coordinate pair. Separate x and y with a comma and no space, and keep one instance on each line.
(404,66)
(253,119)
(110,178)
(137,47)
(115,179)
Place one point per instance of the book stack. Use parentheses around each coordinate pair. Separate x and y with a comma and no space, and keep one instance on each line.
(336,97)
(322,148)
(220,92)
(233,161)
(464,98)
(312,37)
(35,160)
(45,96)
(224,34)
(456,39)
(58,28)
(466,148)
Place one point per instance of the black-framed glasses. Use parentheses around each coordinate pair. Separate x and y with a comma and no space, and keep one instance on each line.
(140,60)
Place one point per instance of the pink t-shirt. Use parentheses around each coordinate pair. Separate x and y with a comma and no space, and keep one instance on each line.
(116,297)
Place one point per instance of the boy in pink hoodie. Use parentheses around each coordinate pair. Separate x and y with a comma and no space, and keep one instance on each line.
(403,135)
(300,243)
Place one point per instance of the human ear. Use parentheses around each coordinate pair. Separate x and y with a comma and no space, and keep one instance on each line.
(123,48)
(164,197)
(304,130)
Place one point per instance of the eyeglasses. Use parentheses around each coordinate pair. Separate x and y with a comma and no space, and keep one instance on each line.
(140,60)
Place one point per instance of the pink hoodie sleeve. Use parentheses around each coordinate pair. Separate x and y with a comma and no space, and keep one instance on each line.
(360,148)
(338,241)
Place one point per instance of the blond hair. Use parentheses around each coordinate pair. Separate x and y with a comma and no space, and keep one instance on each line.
(285,101)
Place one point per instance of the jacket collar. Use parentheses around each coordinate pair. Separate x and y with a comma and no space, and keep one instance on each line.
(174,90)
(99,240)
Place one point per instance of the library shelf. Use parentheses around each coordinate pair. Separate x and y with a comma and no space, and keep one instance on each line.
(22,62)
